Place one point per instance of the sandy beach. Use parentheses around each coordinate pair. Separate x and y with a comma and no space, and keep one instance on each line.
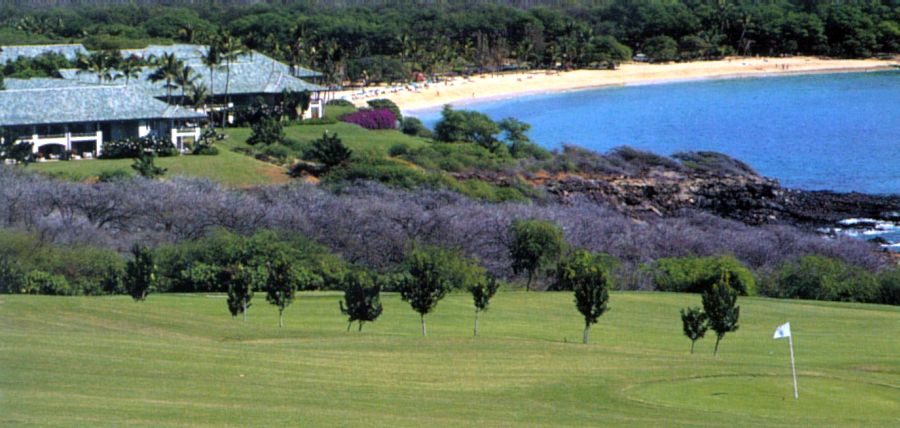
(459,91)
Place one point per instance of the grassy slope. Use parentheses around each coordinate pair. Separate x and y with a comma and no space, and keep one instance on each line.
(233,168)
(356,138)
(227,167)
(180,360)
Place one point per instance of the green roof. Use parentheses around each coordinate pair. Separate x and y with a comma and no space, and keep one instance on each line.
(86,103)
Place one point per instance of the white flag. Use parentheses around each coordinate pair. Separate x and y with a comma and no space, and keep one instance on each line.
(783,330)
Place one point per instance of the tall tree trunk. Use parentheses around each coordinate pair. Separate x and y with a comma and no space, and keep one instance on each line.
(424,333)
(360,326)
(692,345)
(528,284)
(212,96)
(244,311)
(716,351)
(227,81)
(476,321)
(349,324)
(280,318)
(587,328)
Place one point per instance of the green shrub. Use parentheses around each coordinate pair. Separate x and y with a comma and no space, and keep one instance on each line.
(205,150)
(114,176)
(386,171)
(40,282)
(568,267)
(822,278)
(133,147)
(695,274)
(266,131)
(890,287)
(467,126)
(320,121)
(388,104)
(84,268)
(415,127)
(196,265)
(456,157)
(398,150)
(478,189)
(339,103)
(527,149)
(274,153)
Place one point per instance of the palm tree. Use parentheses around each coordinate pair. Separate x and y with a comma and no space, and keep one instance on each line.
(212,59)
(99,63)
(130,68)
(169,67)
(199,95)
(185,79)
(231,50)
(300,50)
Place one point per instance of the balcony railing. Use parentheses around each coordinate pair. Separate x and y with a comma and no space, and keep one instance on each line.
(83,134)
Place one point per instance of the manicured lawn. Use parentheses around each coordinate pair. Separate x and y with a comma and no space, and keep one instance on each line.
(180,360)
(358,139)
(227,167)
(237,169)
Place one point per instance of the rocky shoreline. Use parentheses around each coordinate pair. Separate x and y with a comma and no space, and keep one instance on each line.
(748,198)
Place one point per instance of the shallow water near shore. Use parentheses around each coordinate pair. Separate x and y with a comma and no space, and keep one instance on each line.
(816,132)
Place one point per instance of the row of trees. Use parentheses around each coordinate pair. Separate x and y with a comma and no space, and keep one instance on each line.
(426,276)
(388,42)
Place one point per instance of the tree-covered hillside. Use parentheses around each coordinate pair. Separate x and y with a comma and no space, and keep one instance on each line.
(386,41)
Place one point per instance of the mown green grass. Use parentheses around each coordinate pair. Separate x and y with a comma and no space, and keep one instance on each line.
(180,360)
(228,167)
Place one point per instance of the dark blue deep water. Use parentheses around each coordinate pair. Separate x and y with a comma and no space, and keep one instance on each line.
(829,131)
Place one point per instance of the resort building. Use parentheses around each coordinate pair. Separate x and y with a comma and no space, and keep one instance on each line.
(58,117)
(250,77)
(75,114)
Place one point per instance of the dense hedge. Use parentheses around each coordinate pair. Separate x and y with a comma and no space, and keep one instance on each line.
(30,264)
(133,147)
(696,274)
(195,265)
(822,278)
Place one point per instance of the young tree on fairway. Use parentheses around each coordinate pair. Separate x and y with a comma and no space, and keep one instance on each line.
(719,304)
(281,285)
(140,273)
(482,292)
(694,323)
(586,274)
(432,272)
(533,245)
(240,288)
(362,299)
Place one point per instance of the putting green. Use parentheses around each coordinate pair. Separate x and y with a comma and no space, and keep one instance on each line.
(828,398)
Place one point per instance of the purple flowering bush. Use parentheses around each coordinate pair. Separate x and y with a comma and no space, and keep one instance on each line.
(372,119)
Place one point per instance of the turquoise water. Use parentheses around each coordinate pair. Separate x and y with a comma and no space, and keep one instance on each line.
(830,131)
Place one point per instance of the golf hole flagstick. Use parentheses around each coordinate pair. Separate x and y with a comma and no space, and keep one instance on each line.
(783,331)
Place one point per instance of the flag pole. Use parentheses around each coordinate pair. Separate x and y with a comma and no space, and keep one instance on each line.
(793,369)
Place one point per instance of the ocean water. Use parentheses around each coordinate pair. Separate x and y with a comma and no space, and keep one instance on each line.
(828,131)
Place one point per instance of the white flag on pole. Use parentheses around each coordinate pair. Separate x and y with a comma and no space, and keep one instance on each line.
(783,330)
